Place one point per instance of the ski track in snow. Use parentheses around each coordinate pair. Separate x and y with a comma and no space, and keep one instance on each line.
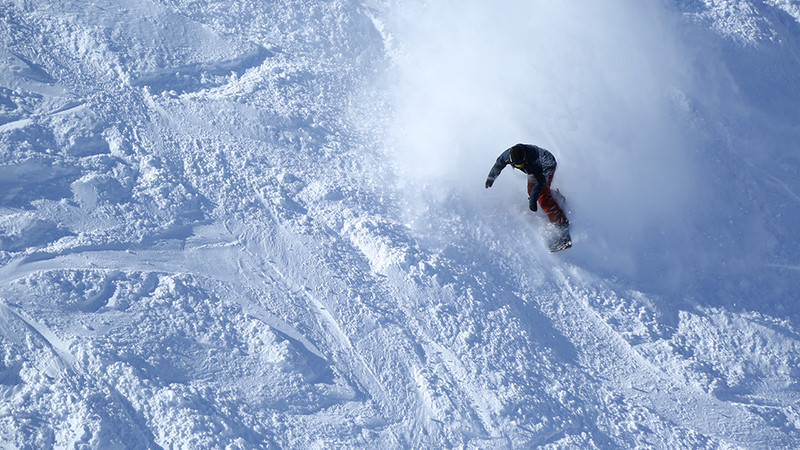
(602,351)
(199,250)
(138,431)
(646,384)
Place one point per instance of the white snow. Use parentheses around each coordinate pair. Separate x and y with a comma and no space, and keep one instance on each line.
(263,224)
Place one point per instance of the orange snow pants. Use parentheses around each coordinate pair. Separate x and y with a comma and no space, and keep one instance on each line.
(547,202)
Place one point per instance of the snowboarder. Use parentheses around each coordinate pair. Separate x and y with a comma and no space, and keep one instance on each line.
(540,165)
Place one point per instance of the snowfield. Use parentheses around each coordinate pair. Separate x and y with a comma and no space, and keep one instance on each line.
(258,224)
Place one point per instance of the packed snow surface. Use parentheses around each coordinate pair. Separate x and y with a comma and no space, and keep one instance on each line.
(263,224)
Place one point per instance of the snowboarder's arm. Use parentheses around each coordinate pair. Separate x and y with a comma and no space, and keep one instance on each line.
(502,161)
(538,187)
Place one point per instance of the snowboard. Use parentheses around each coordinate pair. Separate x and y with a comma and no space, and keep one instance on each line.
(558,238)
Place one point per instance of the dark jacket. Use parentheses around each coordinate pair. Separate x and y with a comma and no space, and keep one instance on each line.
(539,163)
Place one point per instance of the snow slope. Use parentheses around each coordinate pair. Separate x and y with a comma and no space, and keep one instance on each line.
(263,224)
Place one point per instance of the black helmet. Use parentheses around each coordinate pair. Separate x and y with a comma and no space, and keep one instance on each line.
(518,154)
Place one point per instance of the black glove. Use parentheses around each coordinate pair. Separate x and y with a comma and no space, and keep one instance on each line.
(532,204)
(489,182)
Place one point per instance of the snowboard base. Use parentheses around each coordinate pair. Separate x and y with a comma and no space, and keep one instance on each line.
(559,239)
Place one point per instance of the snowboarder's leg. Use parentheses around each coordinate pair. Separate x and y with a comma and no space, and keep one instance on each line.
(561,239)
(550,206)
